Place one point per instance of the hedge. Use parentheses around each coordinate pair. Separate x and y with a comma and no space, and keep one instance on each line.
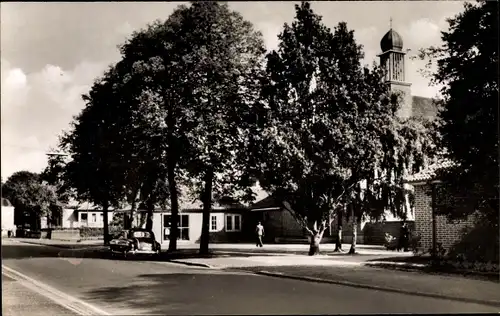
(86,232)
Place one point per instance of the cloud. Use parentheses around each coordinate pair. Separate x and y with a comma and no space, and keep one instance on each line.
(36,107)
(422,33)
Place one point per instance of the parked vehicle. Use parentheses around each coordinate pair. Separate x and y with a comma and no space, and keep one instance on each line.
(134,242)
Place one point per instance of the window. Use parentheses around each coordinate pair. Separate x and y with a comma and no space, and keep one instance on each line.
(213,223)
(233,223)
(183,225)
(102,218)
(237,224)
(94,217)
(84,218)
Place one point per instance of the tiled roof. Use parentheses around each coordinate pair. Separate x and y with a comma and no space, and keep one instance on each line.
(424,107)
(429,173)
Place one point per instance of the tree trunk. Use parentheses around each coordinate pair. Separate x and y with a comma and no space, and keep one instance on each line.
(338,242)
(314,245)
(105,207)
(149,218)
(133,214)
(174,202)
(207,205)
(354,232)
(131,220)
(316,236)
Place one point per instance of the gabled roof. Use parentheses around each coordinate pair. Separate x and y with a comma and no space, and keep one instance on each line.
(429,172)
(424,107)
(267,202)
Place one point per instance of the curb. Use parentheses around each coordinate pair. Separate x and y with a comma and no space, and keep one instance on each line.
(194,264)
(420,266)
(60,246)
(62,299)
(379,288)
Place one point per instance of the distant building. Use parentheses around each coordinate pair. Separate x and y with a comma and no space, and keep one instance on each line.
(7,217)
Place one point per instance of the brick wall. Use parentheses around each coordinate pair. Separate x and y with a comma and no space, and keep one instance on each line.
(447,232)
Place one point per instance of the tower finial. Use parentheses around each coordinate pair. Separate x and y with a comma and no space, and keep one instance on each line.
(390,22)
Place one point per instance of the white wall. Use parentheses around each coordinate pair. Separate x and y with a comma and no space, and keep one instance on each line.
(69,218)
(94,219)
(7,218)
(195,221)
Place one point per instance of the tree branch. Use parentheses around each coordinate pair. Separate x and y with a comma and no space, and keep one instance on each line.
(299,220)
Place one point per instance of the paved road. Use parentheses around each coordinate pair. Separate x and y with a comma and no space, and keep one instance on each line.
(145,287)
(18,300)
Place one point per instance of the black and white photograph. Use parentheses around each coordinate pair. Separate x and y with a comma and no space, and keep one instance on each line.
(249,157)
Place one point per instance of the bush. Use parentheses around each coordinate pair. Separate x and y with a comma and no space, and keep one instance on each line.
(88,232)
(415,243)
(479,243)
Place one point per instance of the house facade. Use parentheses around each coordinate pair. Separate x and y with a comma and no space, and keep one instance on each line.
(226,225)
(76,215)
(227,222)
(7,218)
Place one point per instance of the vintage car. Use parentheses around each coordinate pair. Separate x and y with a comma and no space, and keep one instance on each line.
(135,241)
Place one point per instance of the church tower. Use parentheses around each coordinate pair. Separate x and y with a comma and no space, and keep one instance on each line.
(392,60)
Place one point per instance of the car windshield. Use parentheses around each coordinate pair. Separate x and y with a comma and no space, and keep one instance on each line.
(141,234)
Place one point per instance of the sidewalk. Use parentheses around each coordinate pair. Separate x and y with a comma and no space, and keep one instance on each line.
(343,269)
(412,283)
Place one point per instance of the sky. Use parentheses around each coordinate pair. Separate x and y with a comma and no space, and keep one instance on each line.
(52,52)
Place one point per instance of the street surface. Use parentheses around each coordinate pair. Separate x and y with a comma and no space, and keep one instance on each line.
(147,287)
(18,300)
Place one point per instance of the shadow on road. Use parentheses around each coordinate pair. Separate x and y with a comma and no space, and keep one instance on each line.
(183,293)
(26,251)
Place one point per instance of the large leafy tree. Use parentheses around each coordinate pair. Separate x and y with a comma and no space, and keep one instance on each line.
(333,138)
(92,170)
(31,198)
(467,67)
(152,59)
(223,67)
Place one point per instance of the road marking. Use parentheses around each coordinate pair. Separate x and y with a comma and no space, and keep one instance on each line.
(72,303)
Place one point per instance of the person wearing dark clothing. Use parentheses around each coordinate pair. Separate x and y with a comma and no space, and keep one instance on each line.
(259,231)
(404,237)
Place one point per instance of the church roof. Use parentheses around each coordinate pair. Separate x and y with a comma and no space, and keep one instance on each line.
(424,107)
(391,41)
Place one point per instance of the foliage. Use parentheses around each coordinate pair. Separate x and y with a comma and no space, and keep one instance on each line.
(158,115)
(479,243)
(92,171)
(117,220)
(415,243)
(332,137)
(28,194)
(53,175)
(223,68)
(467,67)
(86,232)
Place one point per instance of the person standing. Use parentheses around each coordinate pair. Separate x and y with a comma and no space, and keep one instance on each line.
(403,238)
(259,231)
